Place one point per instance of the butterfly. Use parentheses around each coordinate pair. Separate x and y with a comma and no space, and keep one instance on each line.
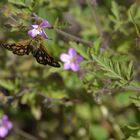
(25,47)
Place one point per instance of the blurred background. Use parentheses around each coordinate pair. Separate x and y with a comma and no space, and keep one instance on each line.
(48,103)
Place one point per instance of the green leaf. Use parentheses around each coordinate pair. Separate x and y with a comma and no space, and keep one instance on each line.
(99,133)
(132,138)
(17,2)
(108,66)
(9,85)
(114,69)
(123,99)
(97,45)
(22,3)
(136,100)
(131,131)
(85,114)
(115,10)
(36,111)
(28,98)
(130,70)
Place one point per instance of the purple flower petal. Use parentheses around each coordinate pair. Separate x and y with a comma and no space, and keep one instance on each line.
(72,60)
(3,132)
(72,52)
(38,29)
(65,57)
(9,125)
(79,58)
(67,66)
(75,67)
(43,34)
(35,26)
(4,118)
(33,33)
(5,126)
(45,24)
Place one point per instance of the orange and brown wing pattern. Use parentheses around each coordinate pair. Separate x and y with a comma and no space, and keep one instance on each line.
(43,57)
(23,47)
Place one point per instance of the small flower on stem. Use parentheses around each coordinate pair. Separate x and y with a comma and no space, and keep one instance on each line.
(72,60)
(38,29)
(5,126)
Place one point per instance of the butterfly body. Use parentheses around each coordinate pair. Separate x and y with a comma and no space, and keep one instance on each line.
(25,47)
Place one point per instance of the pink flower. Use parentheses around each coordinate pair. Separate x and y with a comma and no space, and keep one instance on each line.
(39,29)
(72,60)
(5,126)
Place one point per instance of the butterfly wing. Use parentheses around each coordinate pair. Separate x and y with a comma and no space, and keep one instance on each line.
(44,58)
(23,47)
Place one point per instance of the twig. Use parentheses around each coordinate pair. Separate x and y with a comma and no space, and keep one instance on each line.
(133,88)
(135,25)
(118,132)
(100,30)
(95,16)
(72,37)
(25,134)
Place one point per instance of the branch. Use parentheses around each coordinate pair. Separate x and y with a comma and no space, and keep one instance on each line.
(75,38)
(25,134)
(111,119)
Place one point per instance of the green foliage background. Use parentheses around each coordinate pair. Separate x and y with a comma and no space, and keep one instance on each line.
(101,101)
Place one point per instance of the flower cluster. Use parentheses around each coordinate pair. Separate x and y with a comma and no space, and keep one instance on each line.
(38,29)
(5,126)
(72,60)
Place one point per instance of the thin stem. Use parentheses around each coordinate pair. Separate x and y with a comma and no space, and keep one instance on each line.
(25,134)
(117,130)
(136,27)
(13,19)
(95,16)
(104,37)
(132,87)
(72,37)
